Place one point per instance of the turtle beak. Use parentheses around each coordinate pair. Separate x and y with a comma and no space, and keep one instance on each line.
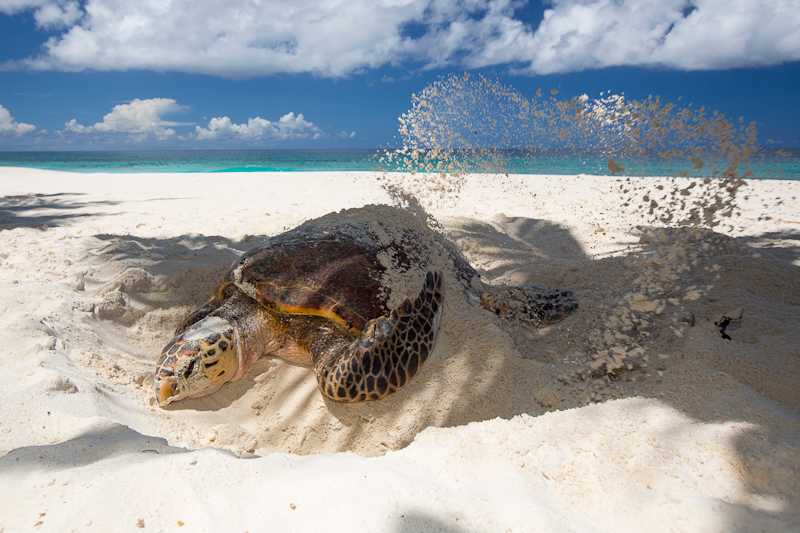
(166,389)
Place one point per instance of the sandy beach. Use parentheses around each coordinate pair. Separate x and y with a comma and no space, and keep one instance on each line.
(634,410)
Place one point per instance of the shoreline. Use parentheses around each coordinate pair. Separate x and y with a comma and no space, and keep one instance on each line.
(15,171)
(768,166)
(22,172)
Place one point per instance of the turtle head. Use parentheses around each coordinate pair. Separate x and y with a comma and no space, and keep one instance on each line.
(198,361)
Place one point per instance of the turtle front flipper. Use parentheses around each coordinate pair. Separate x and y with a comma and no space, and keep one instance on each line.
(388,353)
(529,303)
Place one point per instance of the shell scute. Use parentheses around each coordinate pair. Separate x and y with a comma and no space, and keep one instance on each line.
(334,277)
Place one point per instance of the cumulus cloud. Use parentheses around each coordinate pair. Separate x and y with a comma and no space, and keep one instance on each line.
(586,34)
(139,119)
(331,38)
(684,34)
(9,126)
(235,38)
(48,13)
(143,119)
(14,6)
(289,126)
(57,14)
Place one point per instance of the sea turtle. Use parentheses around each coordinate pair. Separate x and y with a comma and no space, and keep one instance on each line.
(318,296)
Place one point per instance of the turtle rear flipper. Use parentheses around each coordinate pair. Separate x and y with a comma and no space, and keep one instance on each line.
(529,303)
(388,353)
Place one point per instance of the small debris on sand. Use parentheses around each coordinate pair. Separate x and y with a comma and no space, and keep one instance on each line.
(729,321)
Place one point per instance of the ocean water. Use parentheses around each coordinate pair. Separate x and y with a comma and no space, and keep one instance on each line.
(782,164)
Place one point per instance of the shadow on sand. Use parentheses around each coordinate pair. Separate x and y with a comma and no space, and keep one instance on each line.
(87,448)
(42,211)
(420,522)
(781,246)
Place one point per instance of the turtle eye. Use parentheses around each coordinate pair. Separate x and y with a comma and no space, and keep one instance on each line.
(187,372)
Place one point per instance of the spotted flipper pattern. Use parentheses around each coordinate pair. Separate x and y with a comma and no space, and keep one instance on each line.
(529,303)
(389,352)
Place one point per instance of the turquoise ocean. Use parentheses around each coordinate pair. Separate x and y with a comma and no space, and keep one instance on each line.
(779,164)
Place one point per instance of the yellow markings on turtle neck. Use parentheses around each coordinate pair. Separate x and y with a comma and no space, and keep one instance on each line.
(313,311)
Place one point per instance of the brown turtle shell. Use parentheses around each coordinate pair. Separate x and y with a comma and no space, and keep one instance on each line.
(334,277)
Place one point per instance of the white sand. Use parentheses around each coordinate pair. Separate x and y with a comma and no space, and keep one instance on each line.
(699,434)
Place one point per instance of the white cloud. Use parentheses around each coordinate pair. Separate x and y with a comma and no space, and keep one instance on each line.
(684,34)
(15,6)
(9,126)
(57,14)
(729,34)
(289,126)
(73,126)
(585,34)
(48,13)
(494,37)
(234,38)
(140,119)
(335,38)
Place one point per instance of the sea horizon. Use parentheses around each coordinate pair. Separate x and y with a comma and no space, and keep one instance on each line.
(768,164)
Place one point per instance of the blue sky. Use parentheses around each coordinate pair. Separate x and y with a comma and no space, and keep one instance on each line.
(325,73)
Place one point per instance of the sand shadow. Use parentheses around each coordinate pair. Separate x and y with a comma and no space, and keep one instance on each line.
(520,250)
(518,236)
(42,211)
(181,270)
(90,447)
(781,246)
(766,460)
(421,522)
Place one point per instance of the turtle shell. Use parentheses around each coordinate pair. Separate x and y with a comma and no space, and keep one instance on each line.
(334,277)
